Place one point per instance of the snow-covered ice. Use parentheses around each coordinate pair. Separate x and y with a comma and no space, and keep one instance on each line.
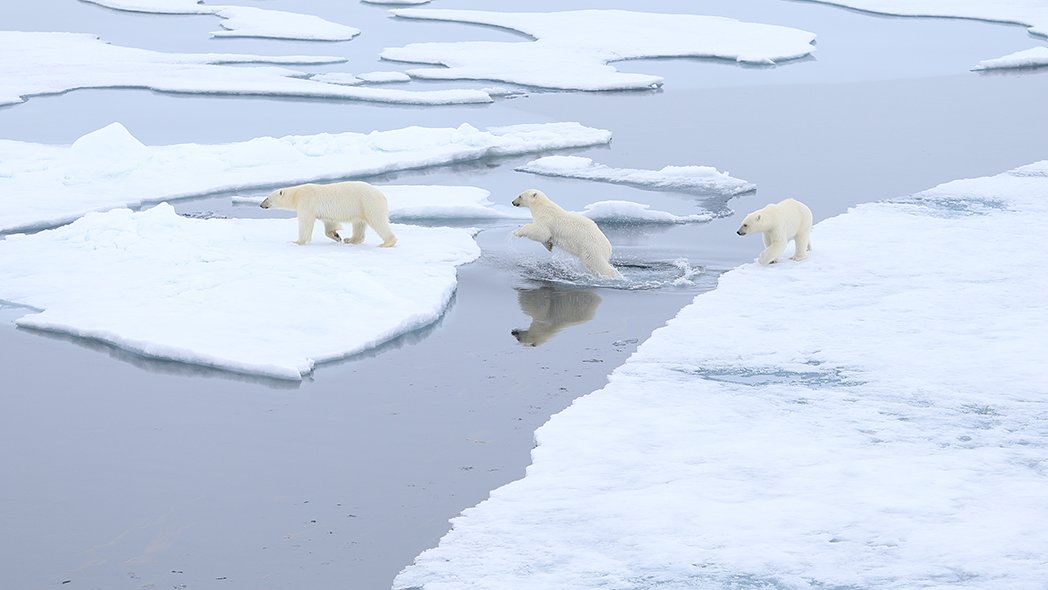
(1029,13)
(632,212)
(572,50)
(873,417)
(234,294)
(44,185)
(1030,58)
(50,63)
(244,21)
(384,77)
(703,180)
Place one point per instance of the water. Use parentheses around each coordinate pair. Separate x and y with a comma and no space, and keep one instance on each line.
(130,472)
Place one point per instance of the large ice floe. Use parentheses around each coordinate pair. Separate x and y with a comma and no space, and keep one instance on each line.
(44,185)
(235,294)
(50,63)
(703,180)
(873,417)
(244,21)
(572,50)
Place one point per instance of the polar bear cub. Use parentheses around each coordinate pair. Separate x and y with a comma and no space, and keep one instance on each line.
(571,232)
(780,222)
(355,202)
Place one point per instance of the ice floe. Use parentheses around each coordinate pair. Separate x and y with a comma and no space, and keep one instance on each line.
(631,212)
(244,21)
(873,417)
(235,294)
(572,50)
(49,63)
(703,180)
(384,77)
(1030,58)
(44,185)
(1029,13)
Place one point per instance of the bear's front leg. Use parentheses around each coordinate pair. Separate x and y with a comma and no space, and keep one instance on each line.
(771,254)
(535,232)
(331,230)
(305,228)
(358,233)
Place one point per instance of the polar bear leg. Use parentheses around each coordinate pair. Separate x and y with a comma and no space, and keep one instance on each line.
(384,231)
(534,231)
(767,239)
(331,230)
(358,233)
(802,244)
(771,254)
(305,228)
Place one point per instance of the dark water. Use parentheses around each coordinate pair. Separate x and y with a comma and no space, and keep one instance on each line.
(124,472)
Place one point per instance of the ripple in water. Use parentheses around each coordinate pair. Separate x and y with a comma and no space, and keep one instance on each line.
(636,275)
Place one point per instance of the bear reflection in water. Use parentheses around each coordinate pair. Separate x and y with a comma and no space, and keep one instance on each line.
(552,309)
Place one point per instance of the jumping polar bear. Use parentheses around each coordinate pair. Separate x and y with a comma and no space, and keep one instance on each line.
(780,222)
(356,202)
(571,232)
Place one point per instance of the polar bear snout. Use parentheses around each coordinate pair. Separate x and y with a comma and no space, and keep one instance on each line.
(741,232)
(516,202)
(265,203)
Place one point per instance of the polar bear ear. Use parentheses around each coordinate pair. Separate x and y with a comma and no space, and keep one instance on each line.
(758,218)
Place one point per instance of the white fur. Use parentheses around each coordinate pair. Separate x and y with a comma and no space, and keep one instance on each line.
(780,222)
(571,232)
(355,202)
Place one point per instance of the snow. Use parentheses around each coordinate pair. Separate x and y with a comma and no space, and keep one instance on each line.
(1031,58)
(234,294)
(1029,13)
(689,179)
(45,185)
(631,212)
(344,78)
(873,417)
(49,63)
(384,77)
(244,21)
(572,50)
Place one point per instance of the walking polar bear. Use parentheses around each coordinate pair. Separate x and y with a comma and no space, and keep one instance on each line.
(355,202)
(571,232)
(780,222)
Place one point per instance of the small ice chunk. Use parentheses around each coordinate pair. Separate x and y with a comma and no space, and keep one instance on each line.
(1030,58)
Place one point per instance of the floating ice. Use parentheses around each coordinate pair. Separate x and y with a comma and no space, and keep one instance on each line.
(1029,13)
(688,179)
(1031,58)
(44,185)
(244,21)
(631,212)
(343,78)
(49,63)
(572,50)
(384,77)
(873,417)
(234,294)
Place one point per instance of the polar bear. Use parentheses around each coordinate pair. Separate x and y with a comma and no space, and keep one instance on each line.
(780,222)
(571,232)
(356,202)
(551,310)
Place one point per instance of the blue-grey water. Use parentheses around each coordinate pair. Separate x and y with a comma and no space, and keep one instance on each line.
(123,472)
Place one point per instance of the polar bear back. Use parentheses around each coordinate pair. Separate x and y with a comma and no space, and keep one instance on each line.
(572,232)
(786,218)
(341,201)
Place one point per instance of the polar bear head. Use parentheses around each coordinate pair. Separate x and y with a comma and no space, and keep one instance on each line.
(758,221)
(283,198)
(530,198)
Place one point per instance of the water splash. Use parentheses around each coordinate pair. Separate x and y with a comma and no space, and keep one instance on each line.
(635,275)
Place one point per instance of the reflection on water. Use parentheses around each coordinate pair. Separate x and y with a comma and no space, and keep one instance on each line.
(552,309)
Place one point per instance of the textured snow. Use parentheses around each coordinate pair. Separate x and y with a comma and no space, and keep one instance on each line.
(44,185)
(1029,13)
(873,417)
(689,179)
(383,77)
(572,50)
(1031,58)
(234,294)
(48,63)
(244,21)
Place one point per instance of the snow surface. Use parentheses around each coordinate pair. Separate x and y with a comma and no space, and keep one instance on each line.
(384,77)
(632,212)
(234,294)
(1029,13)
(572,50)
(45,185)
(49,63)
(873,417)
(1031,58)
(244,21)
(689,179)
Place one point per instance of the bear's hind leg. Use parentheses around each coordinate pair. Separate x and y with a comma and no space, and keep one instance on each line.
(381,227)
(358,233)
(305,228)
(802,245)
(331,230)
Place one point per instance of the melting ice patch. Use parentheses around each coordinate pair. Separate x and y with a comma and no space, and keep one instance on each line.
(703,180)
(234,294)
(43,185)
(48,63)
(1031,58)
(873,417)
(244,21)
(572,50)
